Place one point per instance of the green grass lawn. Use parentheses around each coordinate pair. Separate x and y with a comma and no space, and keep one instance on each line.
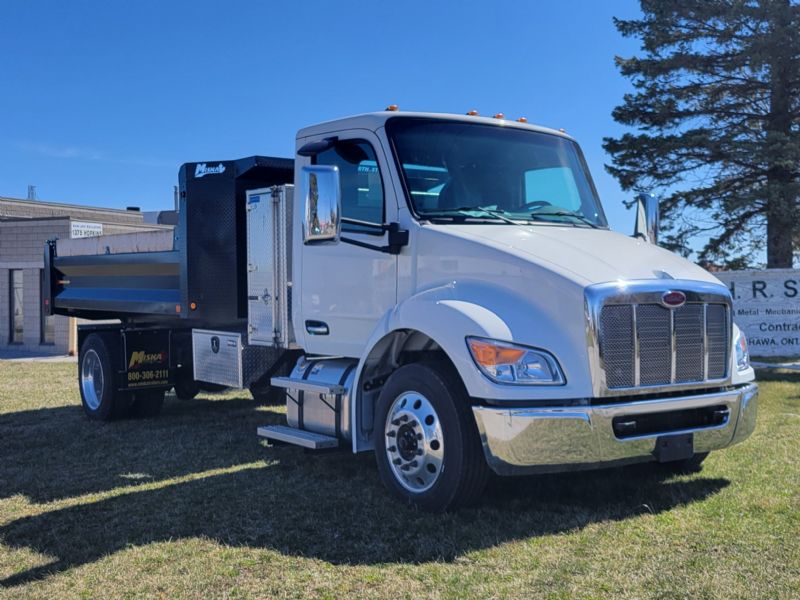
(192,504)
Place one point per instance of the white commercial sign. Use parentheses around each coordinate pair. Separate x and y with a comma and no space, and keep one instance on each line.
(84,230)
(766,306)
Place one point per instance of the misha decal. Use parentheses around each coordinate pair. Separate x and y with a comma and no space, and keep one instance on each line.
(140,359)
(203,169)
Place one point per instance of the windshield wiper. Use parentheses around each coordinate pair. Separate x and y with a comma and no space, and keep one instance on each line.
(465,210)
(565,213)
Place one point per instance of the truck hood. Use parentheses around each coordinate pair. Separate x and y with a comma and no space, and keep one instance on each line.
(584,255)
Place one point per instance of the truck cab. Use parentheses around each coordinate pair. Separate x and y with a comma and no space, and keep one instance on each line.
(450,297)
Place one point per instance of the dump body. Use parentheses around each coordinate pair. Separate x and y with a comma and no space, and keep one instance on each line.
(157,277)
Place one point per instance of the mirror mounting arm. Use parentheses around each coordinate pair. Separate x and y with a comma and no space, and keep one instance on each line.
(398,238)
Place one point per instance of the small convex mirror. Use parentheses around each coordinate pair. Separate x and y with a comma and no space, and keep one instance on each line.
(322,204)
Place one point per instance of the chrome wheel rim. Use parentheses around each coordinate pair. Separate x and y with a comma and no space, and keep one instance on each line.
(414,442)
(92,379)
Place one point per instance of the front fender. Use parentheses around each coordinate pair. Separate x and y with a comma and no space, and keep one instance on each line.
(449,313)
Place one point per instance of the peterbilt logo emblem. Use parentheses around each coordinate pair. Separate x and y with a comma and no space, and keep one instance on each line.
(673,299)
(215,344)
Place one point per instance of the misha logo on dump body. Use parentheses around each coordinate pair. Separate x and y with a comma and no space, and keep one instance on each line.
(142,358)
(203,169)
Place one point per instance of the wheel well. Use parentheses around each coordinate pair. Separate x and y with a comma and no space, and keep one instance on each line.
(401,347)
(396,349)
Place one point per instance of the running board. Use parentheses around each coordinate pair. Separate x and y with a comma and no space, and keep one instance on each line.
(304,385)
(298,437)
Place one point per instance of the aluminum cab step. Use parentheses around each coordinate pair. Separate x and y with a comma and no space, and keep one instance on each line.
(298,437)
(305,385)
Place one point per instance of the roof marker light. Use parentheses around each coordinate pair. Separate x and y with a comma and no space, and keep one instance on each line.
(522,120)
(499,116)
(392,108)
(472,113)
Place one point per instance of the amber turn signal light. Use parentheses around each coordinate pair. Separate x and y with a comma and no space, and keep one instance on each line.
(487,354)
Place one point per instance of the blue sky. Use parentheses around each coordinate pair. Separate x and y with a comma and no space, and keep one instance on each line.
(100,102)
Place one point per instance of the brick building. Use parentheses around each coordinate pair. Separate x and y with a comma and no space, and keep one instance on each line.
(25,226)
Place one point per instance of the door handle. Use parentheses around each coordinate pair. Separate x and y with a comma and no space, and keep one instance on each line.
(317,328)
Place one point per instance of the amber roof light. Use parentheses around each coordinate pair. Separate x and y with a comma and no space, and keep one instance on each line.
(392,108)
(472,113)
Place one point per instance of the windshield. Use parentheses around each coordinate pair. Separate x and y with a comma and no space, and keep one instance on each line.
(471,171)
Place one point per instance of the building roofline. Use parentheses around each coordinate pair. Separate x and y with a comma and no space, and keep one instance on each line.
(141,225)
(68,205)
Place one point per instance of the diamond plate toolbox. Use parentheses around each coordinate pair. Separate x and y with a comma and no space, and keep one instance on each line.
(217,357)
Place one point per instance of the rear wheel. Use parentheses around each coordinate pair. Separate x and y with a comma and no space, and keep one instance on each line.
(99,381)
(426,442)
(186,388)
(268,394)
(212,388)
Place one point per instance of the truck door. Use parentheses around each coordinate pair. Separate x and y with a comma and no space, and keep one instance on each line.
(346,289)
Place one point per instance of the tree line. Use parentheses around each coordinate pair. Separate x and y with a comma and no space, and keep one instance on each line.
(715,113)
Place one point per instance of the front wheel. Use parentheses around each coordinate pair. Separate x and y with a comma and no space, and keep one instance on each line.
(426,442)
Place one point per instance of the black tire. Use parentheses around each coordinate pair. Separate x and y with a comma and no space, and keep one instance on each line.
(213,388)
(269,395)
(147,404)
(98,380)
(463,471)
(687,465)
(186,388)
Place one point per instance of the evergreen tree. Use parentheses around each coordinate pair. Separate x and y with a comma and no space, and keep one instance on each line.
(716,108)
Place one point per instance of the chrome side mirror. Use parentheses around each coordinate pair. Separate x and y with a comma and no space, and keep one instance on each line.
(322,204)
(646,218)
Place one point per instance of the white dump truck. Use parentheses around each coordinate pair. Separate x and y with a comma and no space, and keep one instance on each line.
(441,290)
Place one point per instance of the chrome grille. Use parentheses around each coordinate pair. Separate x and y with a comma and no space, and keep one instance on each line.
(616,323)
(689,343)
(648,345)
(654,330)
(718,342)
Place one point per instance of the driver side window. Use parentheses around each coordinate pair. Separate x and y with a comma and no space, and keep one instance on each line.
(360,177)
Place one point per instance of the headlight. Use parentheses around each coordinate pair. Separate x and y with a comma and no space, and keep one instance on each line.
(742,355)
(511,363)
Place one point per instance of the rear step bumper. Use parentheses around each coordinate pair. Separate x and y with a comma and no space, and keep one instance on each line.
(542,440)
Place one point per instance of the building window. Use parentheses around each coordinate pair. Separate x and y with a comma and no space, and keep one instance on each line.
(46,322)
(16,316)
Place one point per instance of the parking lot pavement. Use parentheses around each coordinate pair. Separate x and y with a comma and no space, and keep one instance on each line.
(20,356)
(792,366)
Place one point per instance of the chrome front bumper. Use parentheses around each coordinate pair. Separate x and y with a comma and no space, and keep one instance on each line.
(552,439)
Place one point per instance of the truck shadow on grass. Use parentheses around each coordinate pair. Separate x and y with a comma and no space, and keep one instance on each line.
(56,453)
(330,507)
